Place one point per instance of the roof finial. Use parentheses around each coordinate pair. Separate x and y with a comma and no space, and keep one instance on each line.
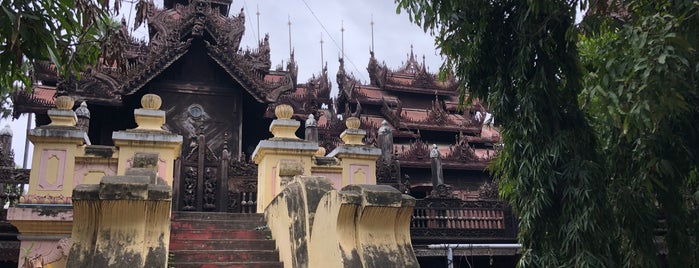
(342,30)
(289,23)
(258,22)
(412,57)
(372,32)
(424,68)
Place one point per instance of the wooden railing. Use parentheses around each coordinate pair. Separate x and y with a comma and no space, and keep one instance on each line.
(12,183)
(453,220)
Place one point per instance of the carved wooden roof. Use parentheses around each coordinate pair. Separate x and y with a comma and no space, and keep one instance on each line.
(306,98)
(411,77)
(172,32)
(39,100)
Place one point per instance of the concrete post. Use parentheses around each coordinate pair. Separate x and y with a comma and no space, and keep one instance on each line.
(149,137)
(281,149)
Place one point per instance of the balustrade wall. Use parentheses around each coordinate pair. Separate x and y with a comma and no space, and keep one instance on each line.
(455,220)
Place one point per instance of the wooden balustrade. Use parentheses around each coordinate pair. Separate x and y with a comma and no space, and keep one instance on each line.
(12,184)
(457,220)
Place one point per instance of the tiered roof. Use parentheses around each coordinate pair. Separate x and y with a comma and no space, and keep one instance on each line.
(402,98)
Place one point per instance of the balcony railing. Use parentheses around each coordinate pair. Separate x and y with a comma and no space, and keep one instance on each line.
(12,183)
(437,220)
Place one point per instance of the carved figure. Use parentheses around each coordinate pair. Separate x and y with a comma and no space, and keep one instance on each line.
(311,121)
(436,164)
(385,141)
(209,189)
(190,187)
(435,152)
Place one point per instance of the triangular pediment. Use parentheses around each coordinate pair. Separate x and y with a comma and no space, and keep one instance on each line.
(174,33)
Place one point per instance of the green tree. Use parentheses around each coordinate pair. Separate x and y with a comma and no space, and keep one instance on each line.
(68,33)
(641,97)
(590,179)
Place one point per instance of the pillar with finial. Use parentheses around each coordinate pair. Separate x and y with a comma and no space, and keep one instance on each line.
(284,149)
(51,181)
(358,160)
(55,147)
(6,140)
(83,115)
(149,138)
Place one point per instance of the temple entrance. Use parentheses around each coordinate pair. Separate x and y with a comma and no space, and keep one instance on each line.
(206,181)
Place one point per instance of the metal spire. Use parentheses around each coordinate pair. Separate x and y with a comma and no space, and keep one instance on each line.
(321,51)
(372,32)
(290,49)
(258,22)
(342,30)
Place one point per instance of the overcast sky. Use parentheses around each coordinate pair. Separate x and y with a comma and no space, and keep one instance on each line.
(393,33)
(393,36)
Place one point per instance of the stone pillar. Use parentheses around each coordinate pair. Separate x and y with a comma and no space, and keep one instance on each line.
(122,222)
(358,160)
(283,148)
(6,140)
(149,137)
(43,215)
(311,129)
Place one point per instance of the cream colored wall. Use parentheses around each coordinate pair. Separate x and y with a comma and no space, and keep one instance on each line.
(354,165)
(167,153)
(268,182)
(89,170)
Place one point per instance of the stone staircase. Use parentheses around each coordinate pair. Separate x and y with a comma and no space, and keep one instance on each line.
(217,240)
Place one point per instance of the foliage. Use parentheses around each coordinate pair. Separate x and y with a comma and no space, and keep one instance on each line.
(592,181)
(67,33)
(521,58)
(641,95)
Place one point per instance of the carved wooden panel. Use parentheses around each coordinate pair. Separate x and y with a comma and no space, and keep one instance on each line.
(214,113)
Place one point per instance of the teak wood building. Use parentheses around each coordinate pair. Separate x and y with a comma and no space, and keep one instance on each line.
(221,98)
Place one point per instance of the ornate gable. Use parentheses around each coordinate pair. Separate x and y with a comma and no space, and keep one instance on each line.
(172,32)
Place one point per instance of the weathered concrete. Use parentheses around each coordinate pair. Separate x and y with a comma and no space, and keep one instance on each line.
(290,217)
(359,226)
(122,222)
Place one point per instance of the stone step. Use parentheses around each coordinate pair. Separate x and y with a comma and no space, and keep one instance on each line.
(222,244)
(182,215)
(189,234)
(224,255)
(227,264)
(246,224)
